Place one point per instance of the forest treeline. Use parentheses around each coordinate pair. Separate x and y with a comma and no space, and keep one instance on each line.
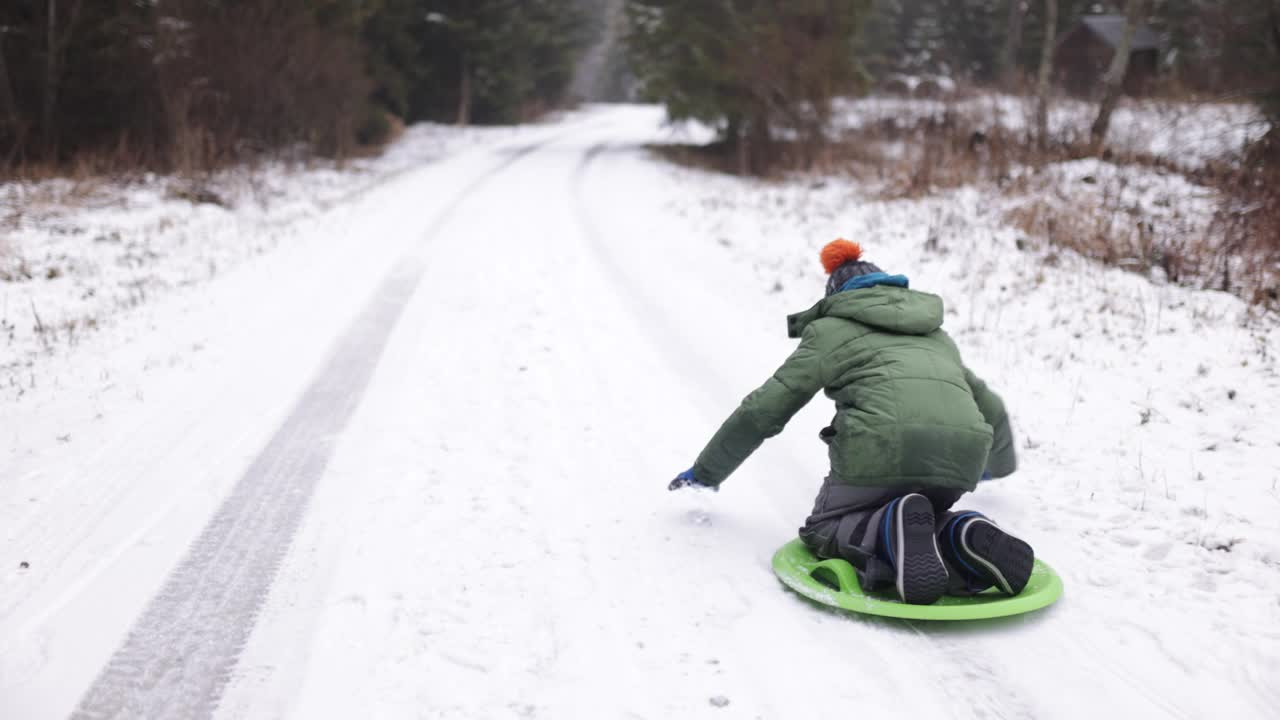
(764,72)
(195,84)
(1210,46)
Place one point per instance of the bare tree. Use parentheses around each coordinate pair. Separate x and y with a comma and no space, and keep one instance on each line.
(8,108)
(1046,72)
(1273,14)
(464,93)
(1113,82)
(1275,23)
(10,124)
(55,44)
(50,74)
(1012,42)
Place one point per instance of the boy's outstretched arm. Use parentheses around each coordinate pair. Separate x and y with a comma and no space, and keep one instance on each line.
(763,413)
(1003,459)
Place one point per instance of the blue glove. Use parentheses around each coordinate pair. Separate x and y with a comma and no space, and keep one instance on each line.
(686,479)
(985,476)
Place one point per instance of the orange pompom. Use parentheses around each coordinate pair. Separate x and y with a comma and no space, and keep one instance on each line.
(839,252)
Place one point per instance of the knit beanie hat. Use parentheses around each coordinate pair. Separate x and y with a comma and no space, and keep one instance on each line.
(843,260)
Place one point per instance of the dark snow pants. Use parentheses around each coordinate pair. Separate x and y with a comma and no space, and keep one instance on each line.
(844,523)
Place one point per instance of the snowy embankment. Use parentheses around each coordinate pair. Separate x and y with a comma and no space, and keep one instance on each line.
(490,534)
(1134,394)
(1186,135)
(77,254)
(1159,202)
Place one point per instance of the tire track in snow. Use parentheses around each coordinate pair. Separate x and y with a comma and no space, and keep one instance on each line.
(655,321)
(179,655)
(647,313)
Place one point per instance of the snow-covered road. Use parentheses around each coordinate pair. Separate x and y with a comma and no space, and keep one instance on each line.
(418,470)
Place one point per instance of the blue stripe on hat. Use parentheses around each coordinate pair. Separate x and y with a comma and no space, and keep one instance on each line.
(865,281)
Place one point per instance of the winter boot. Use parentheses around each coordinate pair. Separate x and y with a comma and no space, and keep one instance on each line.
(986,555)
(906,540)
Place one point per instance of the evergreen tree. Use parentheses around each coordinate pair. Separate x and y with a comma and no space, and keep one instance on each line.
(496,60)
(393,54)
(195,83)
(957,38)
(971,32)
(748,68)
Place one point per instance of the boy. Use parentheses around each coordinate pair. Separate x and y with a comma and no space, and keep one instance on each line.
(914,430)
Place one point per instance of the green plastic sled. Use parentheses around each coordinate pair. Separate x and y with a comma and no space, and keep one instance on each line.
(835,583)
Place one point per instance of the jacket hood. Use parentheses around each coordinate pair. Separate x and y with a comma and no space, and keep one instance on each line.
(886,307)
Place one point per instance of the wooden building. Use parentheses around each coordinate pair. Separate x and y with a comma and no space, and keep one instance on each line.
(1084,53)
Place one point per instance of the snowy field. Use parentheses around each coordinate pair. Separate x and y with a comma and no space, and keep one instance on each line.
(1184,134)
(1151,208)
(407,457)
(75,254)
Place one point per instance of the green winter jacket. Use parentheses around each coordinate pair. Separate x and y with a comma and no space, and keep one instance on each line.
(908,413)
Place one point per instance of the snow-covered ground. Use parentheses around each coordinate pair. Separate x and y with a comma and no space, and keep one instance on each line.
(411,462)
(1185,134)
(75,254)
(1155,207)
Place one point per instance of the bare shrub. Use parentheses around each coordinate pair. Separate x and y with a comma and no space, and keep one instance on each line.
(895,85)
(219,103)
(1114,234)
(716,157)
(1248,225)
(1234,248)
(184,85)
(947,149)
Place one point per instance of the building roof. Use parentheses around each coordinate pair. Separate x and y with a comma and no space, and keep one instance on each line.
(1110,29)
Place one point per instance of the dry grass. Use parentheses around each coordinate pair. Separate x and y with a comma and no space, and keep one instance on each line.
(937,153)
(716,157)
(1235,248)
(1247,225)
(1112,233)
(1232,246)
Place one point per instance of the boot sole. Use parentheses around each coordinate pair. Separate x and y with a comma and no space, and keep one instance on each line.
(921,574)
(1005,559)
